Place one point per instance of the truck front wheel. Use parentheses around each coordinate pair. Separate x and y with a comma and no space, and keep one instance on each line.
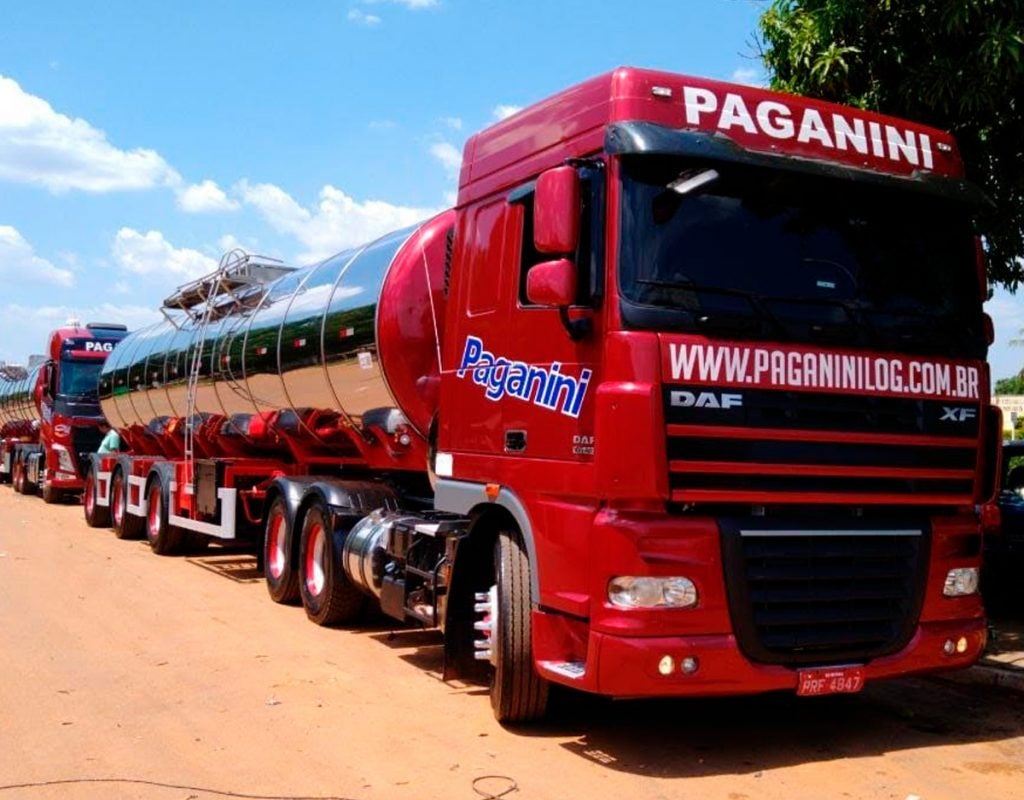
(96,516)
(164,539)
(518,693)
(19,481)
(327,594)
(51,495)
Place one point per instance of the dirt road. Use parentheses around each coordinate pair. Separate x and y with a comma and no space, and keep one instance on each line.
(180,678)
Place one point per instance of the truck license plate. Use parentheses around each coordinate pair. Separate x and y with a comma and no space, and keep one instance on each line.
(832,680)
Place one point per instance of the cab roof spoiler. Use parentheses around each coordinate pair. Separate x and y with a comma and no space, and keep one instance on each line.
(650,138)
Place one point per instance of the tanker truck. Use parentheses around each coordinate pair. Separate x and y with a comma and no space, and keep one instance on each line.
(686,396)
(50,418)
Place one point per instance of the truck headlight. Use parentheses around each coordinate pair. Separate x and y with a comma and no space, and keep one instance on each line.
(961,581)
(64,462)
(645,592)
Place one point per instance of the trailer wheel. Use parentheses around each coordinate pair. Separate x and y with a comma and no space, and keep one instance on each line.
(126,526)
(164,539)
(327,594)
(96,516)
(278,566)
(518,693)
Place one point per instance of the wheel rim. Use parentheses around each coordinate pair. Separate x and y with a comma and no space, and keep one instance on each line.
(315,578)
(153,514)
(88,496)
(276,558)
(117,496)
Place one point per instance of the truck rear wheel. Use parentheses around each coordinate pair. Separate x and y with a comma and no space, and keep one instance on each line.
(126,526)
(327,594)
(164,539)
(96,516)
(51,495)
(278,566)
(518,693)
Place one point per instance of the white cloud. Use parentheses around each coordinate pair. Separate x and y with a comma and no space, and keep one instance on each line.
(19,262)
(381,125)
(362,18)
(412,5)
(503,111)
(35,322)
(455,123)
(150,253)
(336,223)
(449,156)
(747,76)
(41,146)
(203,198)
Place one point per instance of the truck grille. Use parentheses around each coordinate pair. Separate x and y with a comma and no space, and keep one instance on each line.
(793,447)
(824,596)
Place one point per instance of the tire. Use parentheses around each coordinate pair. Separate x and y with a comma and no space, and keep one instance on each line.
(327,594)
(51,495)
(279,567)
(96,516)
(125,525)
(164,539)
(18,479)
(518,693)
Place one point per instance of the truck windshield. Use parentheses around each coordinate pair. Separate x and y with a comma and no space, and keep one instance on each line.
(767,254)
(79,380)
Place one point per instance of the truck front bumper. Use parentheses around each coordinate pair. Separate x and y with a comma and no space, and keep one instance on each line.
(623,666)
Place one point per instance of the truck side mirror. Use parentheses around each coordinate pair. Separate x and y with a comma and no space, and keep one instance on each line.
(552,283)
(556,211)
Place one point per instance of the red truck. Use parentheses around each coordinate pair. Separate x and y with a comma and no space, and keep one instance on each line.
(50,417)
(686,396)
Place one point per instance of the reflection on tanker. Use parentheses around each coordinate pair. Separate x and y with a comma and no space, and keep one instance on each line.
(311,339)
(16,385)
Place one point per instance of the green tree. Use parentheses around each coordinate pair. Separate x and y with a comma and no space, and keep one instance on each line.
(1014,385)
(953,64)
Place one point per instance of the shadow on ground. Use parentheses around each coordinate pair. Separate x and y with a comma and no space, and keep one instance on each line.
(745,735)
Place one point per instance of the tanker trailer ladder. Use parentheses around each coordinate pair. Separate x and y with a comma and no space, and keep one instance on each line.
(237,280)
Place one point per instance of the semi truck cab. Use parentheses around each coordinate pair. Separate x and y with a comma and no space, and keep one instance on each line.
(719,353)
(71,424)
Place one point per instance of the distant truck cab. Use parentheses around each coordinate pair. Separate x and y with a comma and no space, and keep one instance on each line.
(54,411)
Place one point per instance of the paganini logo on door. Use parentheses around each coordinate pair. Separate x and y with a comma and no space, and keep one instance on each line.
(547,388)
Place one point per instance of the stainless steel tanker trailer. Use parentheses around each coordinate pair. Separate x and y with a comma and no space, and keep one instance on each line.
(295,410)
(19,416)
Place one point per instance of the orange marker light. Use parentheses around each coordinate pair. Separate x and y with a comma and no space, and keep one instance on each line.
(492,490)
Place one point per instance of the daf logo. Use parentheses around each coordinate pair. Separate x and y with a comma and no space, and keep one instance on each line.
(957,414)
(681,399)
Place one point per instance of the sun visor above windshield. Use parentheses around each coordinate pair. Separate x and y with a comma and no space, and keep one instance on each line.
(623,138)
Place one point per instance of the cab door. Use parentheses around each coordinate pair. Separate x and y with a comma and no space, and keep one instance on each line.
(518,384)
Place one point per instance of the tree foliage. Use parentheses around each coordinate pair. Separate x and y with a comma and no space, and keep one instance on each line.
(953,64)
(1014,385)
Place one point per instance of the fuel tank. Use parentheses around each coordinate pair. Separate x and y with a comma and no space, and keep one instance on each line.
(16,403)
(355,333)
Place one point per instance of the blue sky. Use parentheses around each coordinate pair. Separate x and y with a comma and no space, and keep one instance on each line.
(139,140)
